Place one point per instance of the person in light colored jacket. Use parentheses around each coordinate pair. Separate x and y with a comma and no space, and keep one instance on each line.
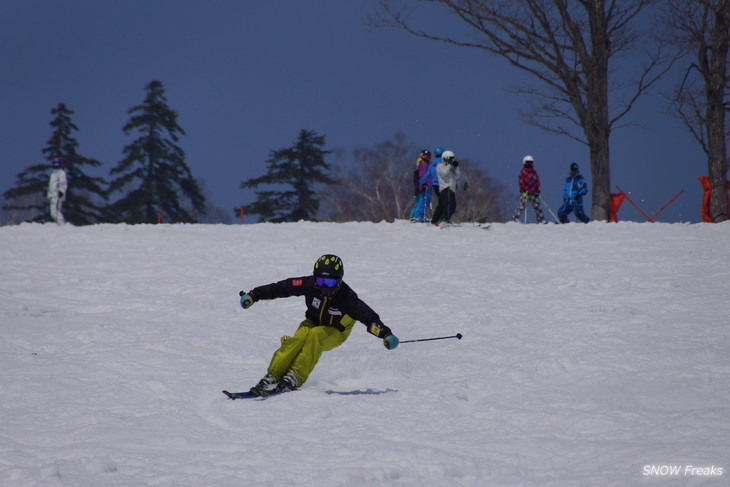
(57,186)
(448,175)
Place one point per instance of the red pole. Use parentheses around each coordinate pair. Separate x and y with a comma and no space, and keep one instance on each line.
(668,203)
(240,212)
(634,204)
(159,217)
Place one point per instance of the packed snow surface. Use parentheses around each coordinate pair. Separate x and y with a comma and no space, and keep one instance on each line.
(592,354)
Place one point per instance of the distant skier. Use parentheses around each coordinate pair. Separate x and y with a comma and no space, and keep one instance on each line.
(332,309)
(431,179)
(57,186)
(573,190)
(419,207)
(529,183)
(448,174)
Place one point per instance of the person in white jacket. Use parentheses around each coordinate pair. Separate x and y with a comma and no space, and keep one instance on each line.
(448,174)
(57,185)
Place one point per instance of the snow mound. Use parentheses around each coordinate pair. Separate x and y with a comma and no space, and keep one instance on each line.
(592,355)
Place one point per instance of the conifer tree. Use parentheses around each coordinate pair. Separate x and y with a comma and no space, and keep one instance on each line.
(299,167)
(86,195)
(153,176)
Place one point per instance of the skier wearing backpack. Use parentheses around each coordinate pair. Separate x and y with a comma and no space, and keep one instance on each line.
(574,189)
(57,186)
(332,310)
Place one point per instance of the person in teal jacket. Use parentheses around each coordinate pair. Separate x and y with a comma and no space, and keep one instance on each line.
(574,189)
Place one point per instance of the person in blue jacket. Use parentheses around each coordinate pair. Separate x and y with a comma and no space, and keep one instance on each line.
(573,190)
(431,179)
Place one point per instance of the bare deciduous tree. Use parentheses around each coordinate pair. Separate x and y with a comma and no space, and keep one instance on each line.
(378,186)
(701,30)
(566,46)
(486,200)
(23,208)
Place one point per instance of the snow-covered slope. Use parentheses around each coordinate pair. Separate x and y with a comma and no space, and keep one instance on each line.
(592,355)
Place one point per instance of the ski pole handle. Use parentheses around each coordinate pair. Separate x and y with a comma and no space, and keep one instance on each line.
(458,335)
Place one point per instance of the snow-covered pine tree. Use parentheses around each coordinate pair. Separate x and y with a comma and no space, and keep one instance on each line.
(153,176)
(299,169)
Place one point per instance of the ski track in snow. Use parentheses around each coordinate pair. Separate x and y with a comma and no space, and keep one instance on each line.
(589,351)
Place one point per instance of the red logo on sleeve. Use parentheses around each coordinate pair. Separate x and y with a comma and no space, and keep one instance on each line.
(296,282)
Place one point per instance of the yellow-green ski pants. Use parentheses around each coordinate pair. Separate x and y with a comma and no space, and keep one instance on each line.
(300,353)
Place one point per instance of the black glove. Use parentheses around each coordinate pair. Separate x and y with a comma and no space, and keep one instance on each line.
(379,330)
(60,194)
(455,163)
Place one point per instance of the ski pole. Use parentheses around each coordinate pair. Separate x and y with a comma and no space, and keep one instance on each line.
(458,335)
(548,208)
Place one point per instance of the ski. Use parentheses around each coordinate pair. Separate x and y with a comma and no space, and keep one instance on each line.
(248,395)
(240,395)
(447,226)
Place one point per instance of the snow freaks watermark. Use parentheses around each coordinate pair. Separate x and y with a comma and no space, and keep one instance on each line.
(682,471)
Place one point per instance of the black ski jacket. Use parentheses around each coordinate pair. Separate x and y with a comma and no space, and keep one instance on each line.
(325,310)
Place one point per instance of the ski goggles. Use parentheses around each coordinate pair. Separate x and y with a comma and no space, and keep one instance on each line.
(326,281)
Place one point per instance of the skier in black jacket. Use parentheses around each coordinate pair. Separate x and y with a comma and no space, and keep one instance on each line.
(332,309)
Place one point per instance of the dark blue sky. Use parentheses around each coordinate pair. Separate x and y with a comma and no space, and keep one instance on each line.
(246,77)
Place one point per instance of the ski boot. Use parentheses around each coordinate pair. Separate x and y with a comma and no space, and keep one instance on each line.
(265,386)
(288,383)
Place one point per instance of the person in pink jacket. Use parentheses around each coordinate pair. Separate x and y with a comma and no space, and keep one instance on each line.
(418,213)
(529,183)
